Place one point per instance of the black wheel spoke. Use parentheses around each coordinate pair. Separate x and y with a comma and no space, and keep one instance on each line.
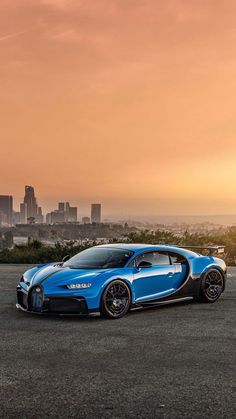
(213,285)
(116,299)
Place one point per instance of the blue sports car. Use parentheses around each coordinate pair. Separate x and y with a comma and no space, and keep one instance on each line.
(111,279)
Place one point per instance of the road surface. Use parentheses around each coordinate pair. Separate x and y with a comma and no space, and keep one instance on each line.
(175,361)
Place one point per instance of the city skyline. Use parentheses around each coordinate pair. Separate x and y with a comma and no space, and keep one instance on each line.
(84,208)
(30,212)
(131,103)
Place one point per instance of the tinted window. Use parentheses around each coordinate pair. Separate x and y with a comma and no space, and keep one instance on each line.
(155,258)
(176,258)
(99,258)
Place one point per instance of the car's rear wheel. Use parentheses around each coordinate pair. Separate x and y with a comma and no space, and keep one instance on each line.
(116,299)
(212,286)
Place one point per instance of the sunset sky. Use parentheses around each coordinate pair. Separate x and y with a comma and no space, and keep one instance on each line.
(131,103)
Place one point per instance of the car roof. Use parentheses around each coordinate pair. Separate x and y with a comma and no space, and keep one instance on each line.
(140,247)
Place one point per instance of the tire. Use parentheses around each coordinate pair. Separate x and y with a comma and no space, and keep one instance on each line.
(212,286)
(116,299)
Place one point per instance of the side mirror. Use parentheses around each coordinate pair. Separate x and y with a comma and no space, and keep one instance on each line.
(67,257)
(144,264)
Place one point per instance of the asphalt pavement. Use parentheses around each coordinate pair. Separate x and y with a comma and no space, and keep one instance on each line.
(176,361)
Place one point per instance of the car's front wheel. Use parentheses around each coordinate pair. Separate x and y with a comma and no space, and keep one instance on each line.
(116,299)
(212,286)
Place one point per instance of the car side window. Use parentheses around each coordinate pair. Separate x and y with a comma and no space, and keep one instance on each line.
(176,258)
(155,258)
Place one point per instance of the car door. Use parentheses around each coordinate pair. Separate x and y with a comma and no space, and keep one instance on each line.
(154,281)
(181,268)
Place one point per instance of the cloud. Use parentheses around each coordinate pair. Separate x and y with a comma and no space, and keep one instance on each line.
(68,35)
(11,35)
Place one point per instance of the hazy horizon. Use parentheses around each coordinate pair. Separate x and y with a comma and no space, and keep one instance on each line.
(122,214)
(128,103)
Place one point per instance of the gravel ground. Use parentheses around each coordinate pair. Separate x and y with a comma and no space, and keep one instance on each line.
(176,361)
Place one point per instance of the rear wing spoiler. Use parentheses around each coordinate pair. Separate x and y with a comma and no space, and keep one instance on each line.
(211,249)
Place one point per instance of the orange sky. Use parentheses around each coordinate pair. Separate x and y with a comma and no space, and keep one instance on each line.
(131,103)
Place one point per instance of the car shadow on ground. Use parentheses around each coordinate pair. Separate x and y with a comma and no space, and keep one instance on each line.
(51,317)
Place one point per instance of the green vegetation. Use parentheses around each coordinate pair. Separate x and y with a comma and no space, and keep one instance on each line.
(36,252)
(227,239)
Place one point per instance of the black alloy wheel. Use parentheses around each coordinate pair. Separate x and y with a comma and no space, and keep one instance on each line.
(116,299)
(212,286)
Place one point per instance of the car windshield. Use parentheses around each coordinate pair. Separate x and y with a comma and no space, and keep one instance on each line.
(99,258)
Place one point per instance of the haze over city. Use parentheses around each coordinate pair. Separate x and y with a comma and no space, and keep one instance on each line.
(128,103)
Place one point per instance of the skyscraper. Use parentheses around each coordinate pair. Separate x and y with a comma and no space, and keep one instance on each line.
(6,207)
(39,217)
(67,211)
(96,210)
(73,214)
(31,202)
(57,217)
(49,218)
(23,213)
(61,206)
(70,213)
(3,220)
(16,217)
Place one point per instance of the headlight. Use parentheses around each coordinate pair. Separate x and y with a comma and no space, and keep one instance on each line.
(78,286)
(25,280)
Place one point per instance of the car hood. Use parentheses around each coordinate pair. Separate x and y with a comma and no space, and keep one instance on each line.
(63,275)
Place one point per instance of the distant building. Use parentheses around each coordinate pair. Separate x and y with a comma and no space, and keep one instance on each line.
(73,211)
(49,218)
(85,220)
(3,218)
(29,210)
(16,217)
(39,217)
(31,202)
(40,212)
(57,217)
(6,207)
(64,213)
(96,210)
(67,211)
(23,213)
(62,206)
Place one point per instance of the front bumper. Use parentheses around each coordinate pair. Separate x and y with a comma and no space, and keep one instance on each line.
(50,304)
